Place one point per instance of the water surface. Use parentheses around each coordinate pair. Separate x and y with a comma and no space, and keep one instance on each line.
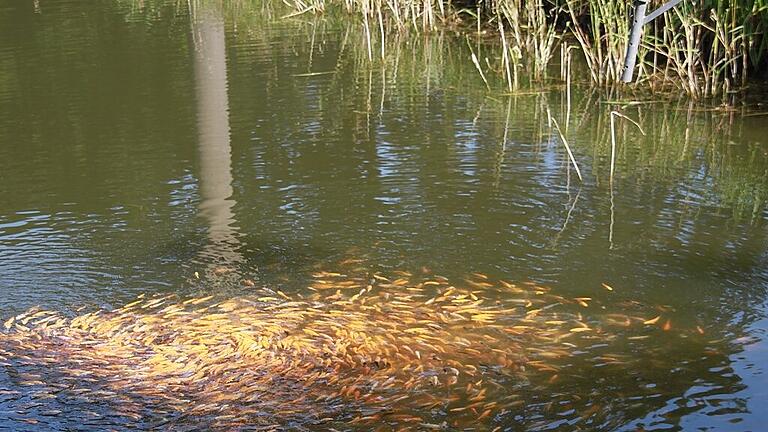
(140,144)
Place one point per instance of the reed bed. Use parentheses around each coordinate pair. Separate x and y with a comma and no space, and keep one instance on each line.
(708,48)
(703,49)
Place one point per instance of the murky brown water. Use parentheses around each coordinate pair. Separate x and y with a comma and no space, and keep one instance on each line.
(142,144)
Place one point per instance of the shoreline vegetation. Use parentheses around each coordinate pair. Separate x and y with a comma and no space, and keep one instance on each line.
(704,49)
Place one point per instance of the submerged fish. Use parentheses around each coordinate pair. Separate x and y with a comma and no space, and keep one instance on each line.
(364,356)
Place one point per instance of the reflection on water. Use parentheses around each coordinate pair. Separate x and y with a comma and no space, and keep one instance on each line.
(127,131)
(213,131)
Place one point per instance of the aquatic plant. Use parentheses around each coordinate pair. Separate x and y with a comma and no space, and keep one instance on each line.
(707,48)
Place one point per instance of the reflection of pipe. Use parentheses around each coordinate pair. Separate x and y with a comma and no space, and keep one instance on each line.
(213,132)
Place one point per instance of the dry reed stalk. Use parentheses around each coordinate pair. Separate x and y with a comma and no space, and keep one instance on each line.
(505,56)
(567,148)
(477,65)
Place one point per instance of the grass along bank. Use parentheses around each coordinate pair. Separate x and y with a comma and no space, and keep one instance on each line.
(705,48)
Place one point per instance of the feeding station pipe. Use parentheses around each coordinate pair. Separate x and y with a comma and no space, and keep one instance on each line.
(639,19)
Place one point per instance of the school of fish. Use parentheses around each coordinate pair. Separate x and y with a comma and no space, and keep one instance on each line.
(358,350)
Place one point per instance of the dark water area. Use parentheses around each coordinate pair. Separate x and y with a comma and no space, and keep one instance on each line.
(144,143)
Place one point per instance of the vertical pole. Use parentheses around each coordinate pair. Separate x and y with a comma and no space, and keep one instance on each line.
(638,19)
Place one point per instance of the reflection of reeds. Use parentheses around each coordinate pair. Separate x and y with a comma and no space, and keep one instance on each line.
(679,134)
(613,115)
(567,148)
(675,141)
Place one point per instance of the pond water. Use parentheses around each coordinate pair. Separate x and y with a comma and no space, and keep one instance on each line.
(146,146)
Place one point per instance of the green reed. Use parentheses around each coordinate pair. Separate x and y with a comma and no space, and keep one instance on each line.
(708,48)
